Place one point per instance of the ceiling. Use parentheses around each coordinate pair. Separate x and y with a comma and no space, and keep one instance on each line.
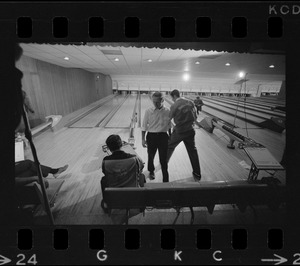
(165,62)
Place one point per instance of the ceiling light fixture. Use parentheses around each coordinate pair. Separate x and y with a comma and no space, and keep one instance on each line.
(227,64)
(149,60)
(271,66)
(197,63)
(66,58)
(117,59)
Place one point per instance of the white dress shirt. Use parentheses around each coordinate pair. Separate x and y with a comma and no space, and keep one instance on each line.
(156,120)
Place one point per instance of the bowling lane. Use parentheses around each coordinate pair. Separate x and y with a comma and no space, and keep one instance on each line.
(231,111)
(266,101)
(242,108)
(95,117)
(122,118)
(248,104)
(229,117)
(243,120)
(219,114)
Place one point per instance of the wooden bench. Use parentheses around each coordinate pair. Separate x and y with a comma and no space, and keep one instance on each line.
(261,159)
(196,194)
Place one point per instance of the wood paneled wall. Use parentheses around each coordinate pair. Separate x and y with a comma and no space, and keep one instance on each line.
(102,82)
(55,90)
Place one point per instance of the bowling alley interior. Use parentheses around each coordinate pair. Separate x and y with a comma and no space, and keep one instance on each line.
(78,94)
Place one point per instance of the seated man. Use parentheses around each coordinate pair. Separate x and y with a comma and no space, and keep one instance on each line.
(120,169)
(26,172)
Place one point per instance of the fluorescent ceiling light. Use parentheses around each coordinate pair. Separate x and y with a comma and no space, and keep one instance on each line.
(227,64)
(186,76)
(111,52)
(271,66)
(241,74)
(197,63)
(117,59)
(66,58)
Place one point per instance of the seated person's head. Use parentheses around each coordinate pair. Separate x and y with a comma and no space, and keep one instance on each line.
(114,142)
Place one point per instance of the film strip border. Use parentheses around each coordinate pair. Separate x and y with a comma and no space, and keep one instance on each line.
(132,27)
(150,244)
(144,21)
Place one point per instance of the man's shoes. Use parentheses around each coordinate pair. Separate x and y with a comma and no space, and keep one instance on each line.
(152,176)
(60,170)
(197,176)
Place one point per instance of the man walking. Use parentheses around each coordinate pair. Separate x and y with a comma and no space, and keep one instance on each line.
(157,123)
(184,114)
(198,103)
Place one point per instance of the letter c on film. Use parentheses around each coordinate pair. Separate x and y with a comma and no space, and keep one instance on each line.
(101,255)
(214,255)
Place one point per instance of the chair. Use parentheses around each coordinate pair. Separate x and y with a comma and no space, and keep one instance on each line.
(31,195)
(120,173)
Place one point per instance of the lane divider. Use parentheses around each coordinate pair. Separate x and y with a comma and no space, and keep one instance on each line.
(131,139)
(110,115)
(77,118)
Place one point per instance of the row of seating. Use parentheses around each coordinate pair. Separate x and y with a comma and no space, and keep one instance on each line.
(243,193)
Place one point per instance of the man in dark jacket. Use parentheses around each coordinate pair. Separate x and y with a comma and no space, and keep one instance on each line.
(120,169)
(184,114)
(198,103)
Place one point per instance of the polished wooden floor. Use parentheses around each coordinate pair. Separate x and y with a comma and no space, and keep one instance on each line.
(80,146)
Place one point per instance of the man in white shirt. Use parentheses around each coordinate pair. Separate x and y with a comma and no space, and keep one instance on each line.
(157,123)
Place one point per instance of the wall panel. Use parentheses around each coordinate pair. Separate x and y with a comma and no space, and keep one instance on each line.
(55,90)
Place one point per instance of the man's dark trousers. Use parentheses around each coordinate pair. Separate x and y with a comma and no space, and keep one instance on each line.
(199,108)
(158,141)
(28,168)
(188,138)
